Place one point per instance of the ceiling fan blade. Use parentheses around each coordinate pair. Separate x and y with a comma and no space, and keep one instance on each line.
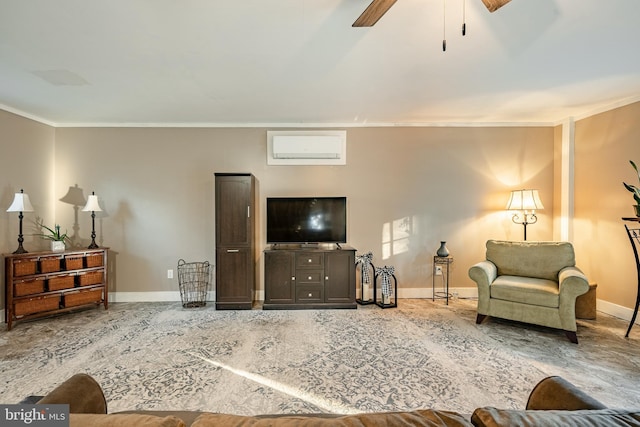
(494,5)
(373,13)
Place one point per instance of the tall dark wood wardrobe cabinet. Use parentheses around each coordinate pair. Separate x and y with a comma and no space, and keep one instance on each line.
(235,240)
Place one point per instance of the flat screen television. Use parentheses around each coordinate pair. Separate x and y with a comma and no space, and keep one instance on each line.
(306,220)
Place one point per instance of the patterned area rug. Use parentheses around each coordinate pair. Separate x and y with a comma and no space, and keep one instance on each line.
(161,356)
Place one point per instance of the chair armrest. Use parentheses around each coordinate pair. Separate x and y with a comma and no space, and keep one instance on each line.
(81,392)
(572,282)
(483,273)
(556,393)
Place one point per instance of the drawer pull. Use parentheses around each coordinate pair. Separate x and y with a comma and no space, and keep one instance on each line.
(309,259)
(310,295)
(293,278)
(326,277)
(232,251)
(309,278)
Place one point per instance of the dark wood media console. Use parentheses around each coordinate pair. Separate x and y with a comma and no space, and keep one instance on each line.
(300,277)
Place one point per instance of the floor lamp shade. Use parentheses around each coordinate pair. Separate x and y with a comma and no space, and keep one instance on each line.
(524,203)
(524,200)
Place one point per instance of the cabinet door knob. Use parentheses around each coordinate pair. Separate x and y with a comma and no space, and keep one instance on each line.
(326,277)
(293,278)
(309,259)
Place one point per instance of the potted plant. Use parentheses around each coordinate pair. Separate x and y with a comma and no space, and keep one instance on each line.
(634,189)
(57,238)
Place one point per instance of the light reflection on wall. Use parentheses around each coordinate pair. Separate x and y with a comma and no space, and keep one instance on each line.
(396,236)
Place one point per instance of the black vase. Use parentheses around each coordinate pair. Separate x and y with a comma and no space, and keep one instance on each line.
(442,250)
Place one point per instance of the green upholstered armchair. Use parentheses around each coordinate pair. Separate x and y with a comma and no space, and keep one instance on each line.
(531,282)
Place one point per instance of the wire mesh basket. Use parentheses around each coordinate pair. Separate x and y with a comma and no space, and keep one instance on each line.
(193,279)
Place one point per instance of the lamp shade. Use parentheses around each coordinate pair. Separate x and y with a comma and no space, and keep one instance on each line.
(21,203)
(92,204)
(524,200)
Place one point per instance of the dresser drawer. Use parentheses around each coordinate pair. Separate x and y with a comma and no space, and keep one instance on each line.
(309,293)
(24,266)
(36,304)
(310,260)
(28,287)
(309,276)
(64,281)
(73,298)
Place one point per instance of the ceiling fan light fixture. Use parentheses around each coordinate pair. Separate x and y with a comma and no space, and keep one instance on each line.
(464,17)
(444,25)
(494,5)
(377,9)
(373,13)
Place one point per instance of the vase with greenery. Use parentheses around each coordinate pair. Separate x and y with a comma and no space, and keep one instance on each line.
(57,238)
(634,189)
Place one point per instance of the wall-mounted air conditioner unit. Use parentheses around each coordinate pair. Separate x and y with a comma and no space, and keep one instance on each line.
(306,147)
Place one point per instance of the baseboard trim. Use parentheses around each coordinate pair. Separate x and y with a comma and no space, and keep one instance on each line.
(616,310)
(166,296)
(426,293)
(602,306)
(171,296)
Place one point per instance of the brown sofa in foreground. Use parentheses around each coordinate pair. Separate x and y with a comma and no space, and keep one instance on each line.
(553,402)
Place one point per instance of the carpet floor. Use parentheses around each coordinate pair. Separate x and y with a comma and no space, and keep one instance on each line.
(422,354)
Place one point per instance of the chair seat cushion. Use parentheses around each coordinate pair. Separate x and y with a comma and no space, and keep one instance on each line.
(526,290)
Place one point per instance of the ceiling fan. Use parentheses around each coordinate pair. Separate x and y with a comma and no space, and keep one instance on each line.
(377,8)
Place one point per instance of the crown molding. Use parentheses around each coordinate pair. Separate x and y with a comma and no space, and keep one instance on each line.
(27,115)
(602,109)
(298,125)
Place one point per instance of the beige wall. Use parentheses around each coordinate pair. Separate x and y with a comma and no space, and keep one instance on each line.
(604,145)
(425,184)
(422,184)
(26,162)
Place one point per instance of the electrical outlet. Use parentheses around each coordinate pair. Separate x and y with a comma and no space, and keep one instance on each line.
(169,274)
(438,270)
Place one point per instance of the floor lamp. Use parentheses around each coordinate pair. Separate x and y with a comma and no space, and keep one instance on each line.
(21,203)
(524,203)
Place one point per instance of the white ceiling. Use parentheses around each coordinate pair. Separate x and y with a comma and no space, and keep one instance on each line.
(299,62)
